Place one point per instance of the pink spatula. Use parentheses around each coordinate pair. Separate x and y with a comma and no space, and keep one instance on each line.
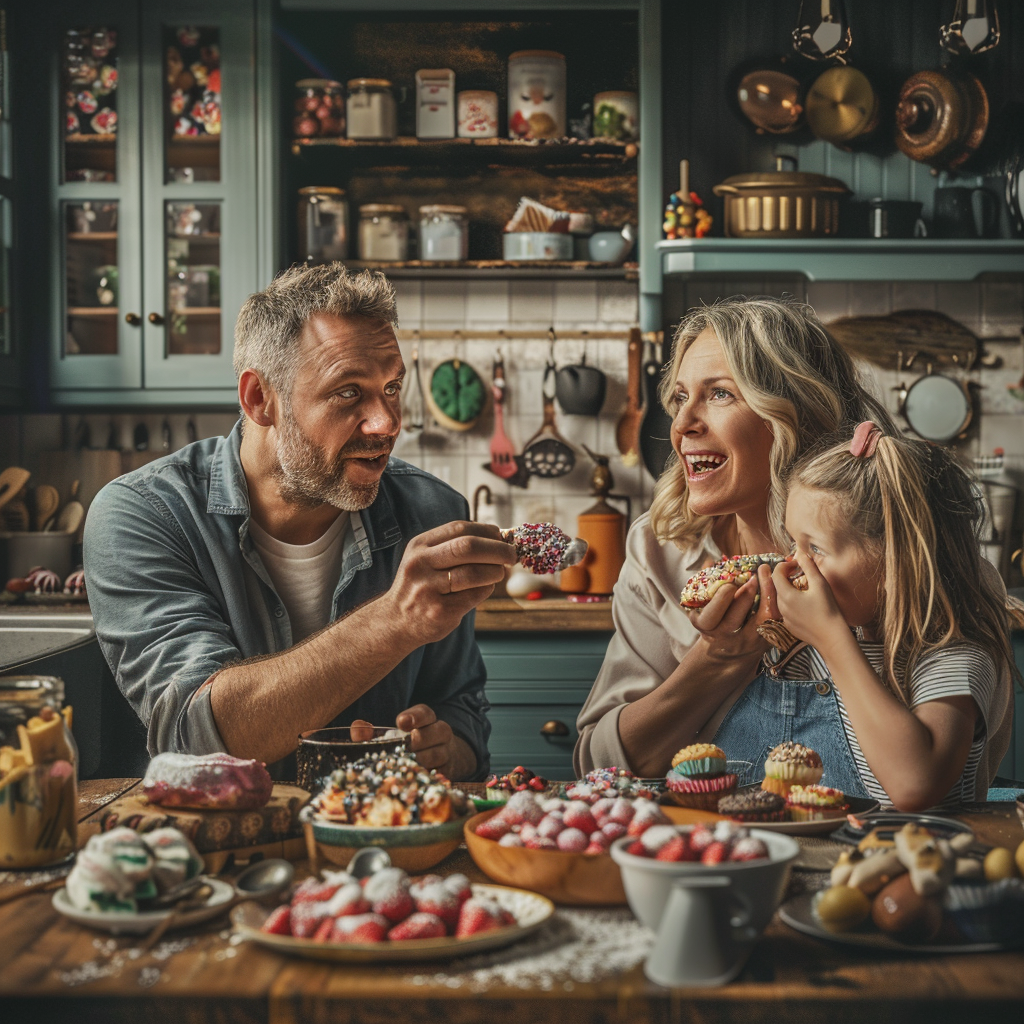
(503,452)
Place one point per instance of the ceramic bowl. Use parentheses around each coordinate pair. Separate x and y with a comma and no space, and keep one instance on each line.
(609,247)
(536,245)
(414,848)
(648,882)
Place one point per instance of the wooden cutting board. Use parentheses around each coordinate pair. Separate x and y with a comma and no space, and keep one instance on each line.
(217,832)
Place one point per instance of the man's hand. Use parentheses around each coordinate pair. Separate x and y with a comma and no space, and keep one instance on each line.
(445,573)
(434,744)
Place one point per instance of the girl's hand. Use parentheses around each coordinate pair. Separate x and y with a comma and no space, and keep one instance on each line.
(812,614)
(725,622)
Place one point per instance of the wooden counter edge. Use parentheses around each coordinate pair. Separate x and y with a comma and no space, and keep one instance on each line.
(502,614)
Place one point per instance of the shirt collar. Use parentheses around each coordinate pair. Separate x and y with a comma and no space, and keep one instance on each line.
(701,552)
(229,494)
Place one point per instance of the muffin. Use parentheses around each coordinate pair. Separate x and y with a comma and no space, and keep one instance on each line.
(816,803)
(753,805)
(702,792)
(699,759)
(790,764)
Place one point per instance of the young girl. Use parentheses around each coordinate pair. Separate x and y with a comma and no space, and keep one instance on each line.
(900,615)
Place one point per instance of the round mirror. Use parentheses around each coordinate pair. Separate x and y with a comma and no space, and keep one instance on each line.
(937,408)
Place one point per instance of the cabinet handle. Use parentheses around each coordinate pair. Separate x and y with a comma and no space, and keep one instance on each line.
(133,319)
(554,728)
(156,319)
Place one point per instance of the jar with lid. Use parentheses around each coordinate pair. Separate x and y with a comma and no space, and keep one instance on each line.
(372,110)
(323,224)
(444,233)
(319,108)
(38,773)
(383,232)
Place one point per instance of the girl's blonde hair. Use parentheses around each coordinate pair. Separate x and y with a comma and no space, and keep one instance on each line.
(790,371)
(912,503)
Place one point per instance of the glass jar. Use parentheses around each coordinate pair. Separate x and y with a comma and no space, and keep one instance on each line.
(38,774)
(323,224)
(372,110)
(319,108)
(383,232)
(444,233)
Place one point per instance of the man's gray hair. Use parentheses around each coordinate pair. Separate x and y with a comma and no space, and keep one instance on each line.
(269,323)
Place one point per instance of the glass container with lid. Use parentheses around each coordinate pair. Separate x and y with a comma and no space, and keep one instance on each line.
(323,224)
(319,108)
(383,232)
(444,233)
(38,773)
(372,110)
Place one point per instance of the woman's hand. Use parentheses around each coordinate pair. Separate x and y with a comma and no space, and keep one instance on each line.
(812,614)
(725,623)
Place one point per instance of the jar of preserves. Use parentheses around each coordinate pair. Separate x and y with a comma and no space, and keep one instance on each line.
(372,110)
(319,108)
(38,773)
(383,232)
(444,233)
(323,224)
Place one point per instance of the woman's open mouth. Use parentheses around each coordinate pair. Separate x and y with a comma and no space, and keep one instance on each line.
(700,465)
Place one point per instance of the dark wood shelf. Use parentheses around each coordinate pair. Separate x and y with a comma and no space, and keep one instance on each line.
(92,236)
(499,268)
(80,139)
(92,311)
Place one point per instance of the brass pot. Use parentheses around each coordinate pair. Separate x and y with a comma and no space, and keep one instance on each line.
(941,118)
(842,105)
(781,204)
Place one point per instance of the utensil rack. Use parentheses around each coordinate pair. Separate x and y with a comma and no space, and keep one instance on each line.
(527,334)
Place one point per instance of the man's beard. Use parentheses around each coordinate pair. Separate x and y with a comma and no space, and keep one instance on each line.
(309,479)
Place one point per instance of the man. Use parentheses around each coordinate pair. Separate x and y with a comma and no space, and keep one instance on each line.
(293,575)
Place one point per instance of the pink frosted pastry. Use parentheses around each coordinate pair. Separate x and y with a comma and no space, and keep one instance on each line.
(543,548)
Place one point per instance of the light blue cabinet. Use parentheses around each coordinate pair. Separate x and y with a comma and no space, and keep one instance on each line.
(537,683)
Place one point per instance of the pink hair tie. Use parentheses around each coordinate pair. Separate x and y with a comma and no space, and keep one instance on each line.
(865,440)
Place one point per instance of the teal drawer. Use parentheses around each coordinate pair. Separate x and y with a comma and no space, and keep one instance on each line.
(538,668)
(516,739)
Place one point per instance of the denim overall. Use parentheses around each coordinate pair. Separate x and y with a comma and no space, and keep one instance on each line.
(772,710)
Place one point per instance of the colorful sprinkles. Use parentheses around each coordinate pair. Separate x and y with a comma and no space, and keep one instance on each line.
(540,547)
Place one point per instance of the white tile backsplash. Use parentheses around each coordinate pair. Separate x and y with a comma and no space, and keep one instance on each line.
(444,304)
(532,303)
(575,303)
(487,304)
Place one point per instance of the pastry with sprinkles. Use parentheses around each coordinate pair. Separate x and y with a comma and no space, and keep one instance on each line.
(704,584)
(788,764)
(543,548)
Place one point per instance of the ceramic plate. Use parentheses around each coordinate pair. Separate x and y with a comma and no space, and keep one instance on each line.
(146,920)
(531,911)
(797,913)
(893,821)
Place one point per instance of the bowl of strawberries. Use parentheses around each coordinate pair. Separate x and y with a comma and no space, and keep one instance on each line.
(757,863)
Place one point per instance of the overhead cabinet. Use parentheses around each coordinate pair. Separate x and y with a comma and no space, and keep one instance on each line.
(153,202)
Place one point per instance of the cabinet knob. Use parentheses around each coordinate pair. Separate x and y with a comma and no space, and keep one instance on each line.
(156,319)
(133,319)
(554,728)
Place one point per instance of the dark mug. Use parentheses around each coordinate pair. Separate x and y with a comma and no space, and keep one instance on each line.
(895,218)
(965,213)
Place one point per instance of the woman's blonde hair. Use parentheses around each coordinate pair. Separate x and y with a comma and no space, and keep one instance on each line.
(915,506)
(790,371)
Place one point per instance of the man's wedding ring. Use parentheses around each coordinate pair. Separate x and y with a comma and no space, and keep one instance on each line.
(450,588)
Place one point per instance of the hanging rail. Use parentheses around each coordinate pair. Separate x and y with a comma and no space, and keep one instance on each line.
(535,334)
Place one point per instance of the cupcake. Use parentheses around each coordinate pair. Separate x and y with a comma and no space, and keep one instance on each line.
(699,759)
(753,805)
(702,792)
(790,764)
(815,803)
(987,911)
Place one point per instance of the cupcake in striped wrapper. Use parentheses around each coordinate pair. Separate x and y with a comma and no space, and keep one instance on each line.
(698,777)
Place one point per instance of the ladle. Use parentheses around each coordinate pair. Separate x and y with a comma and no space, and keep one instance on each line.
(368,861)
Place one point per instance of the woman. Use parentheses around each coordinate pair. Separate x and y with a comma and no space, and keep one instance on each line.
(753,382)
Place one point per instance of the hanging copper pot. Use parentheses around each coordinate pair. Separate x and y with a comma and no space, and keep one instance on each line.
(941,118)
(842,105)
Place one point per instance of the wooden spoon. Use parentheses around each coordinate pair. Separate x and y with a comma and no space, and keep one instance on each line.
(12,482)
(627,432)
(47,501)
(72,514)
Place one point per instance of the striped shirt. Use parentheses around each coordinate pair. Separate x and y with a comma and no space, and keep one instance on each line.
(960,669)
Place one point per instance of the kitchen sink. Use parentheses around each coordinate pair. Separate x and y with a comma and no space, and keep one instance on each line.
(27,636)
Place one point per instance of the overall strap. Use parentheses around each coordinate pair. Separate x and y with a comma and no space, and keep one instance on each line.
(774,668)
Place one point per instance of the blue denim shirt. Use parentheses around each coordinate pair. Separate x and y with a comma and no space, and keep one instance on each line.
(178,591)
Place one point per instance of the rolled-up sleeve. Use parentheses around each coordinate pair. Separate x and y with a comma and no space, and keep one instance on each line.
(160,627)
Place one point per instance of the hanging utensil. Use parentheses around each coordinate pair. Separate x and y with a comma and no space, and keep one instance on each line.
(655,445)
(415,415)
(580,389)
(941,117)
(822,31)
(937,407)
(627,431)
(547,454)
(46,504)
(503,452)
(974,28)
(842,105)
(71,515)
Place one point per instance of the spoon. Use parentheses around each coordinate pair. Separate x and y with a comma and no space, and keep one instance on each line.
(368,861)
(258,881)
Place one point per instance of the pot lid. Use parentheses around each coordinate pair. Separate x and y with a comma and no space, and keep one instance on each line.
(317,83)
(532,54)
(429,211)
(841,105)
(321,190)
(388,208)
(369,83)
(779,181)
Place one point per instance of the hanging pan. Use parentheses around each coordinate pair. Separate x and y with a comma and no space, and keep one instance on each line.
(547,454)
(937,407)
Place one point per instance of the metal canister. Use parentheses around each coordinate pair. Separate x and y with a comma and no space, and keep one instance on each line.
(323,224)
(536,95)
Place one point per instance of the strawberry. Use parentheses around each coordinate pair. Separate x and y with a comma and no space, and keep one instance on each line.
(675,849)
(748,848)
(361,928)
(613,830)
(278,922)
(526,832)
(424,881)
(714,854)
(458,885)
(480,915)
(306,917)
(701,838)
(511,840)
(522,808)
(313,890)
(537,783)
(637,849)
(436,901)
(493,828)
(388,893)
(578,815)
(596,848)
(554,804)
(349,899)
(601,809)
(597,836)
(550,825)
(656,837)
(323,932)
(540,843)
(572,840)
(418,926)
(621,811)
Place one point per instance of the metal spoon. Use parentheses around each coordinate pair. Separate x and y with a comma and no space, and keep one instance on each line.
(368,861)
(574,553)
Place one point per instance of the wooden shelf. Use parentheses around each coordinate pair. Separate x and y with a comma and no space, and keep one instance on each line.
(499,268)
(196,311)
(847,259)
(92,311)
(194,140)
(79,139)
(92,236)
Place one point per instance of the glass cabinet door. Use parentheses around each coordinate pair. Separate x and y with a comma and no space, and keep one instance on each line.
(98,280)
(200,188)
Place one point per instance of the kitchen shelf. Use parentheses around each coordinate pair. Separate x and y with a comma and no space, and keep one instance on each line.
(847,259)
(78,139)
(196,311)
(499,269)
(92,236)
(92,311)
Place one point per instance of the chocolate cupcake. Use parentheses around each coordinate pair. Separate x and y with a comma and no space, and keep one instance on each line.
(753,805)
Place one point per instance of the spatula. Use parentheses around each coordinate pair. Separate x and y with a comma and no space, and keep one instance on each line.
(503,452)
(627,432)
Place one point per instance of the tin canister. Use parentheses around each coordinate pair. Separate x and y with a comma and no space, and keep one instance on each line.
(536,95)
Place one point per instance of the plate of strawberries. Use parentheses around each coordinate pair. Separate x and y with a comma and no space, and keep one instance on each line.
(390,916)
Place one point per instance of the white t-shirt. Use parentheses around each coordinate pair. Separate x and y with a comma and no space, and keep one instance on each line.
(304,575)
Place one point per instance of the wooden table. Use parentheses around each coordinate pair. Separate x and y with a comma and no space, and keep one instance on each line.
(789,979)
